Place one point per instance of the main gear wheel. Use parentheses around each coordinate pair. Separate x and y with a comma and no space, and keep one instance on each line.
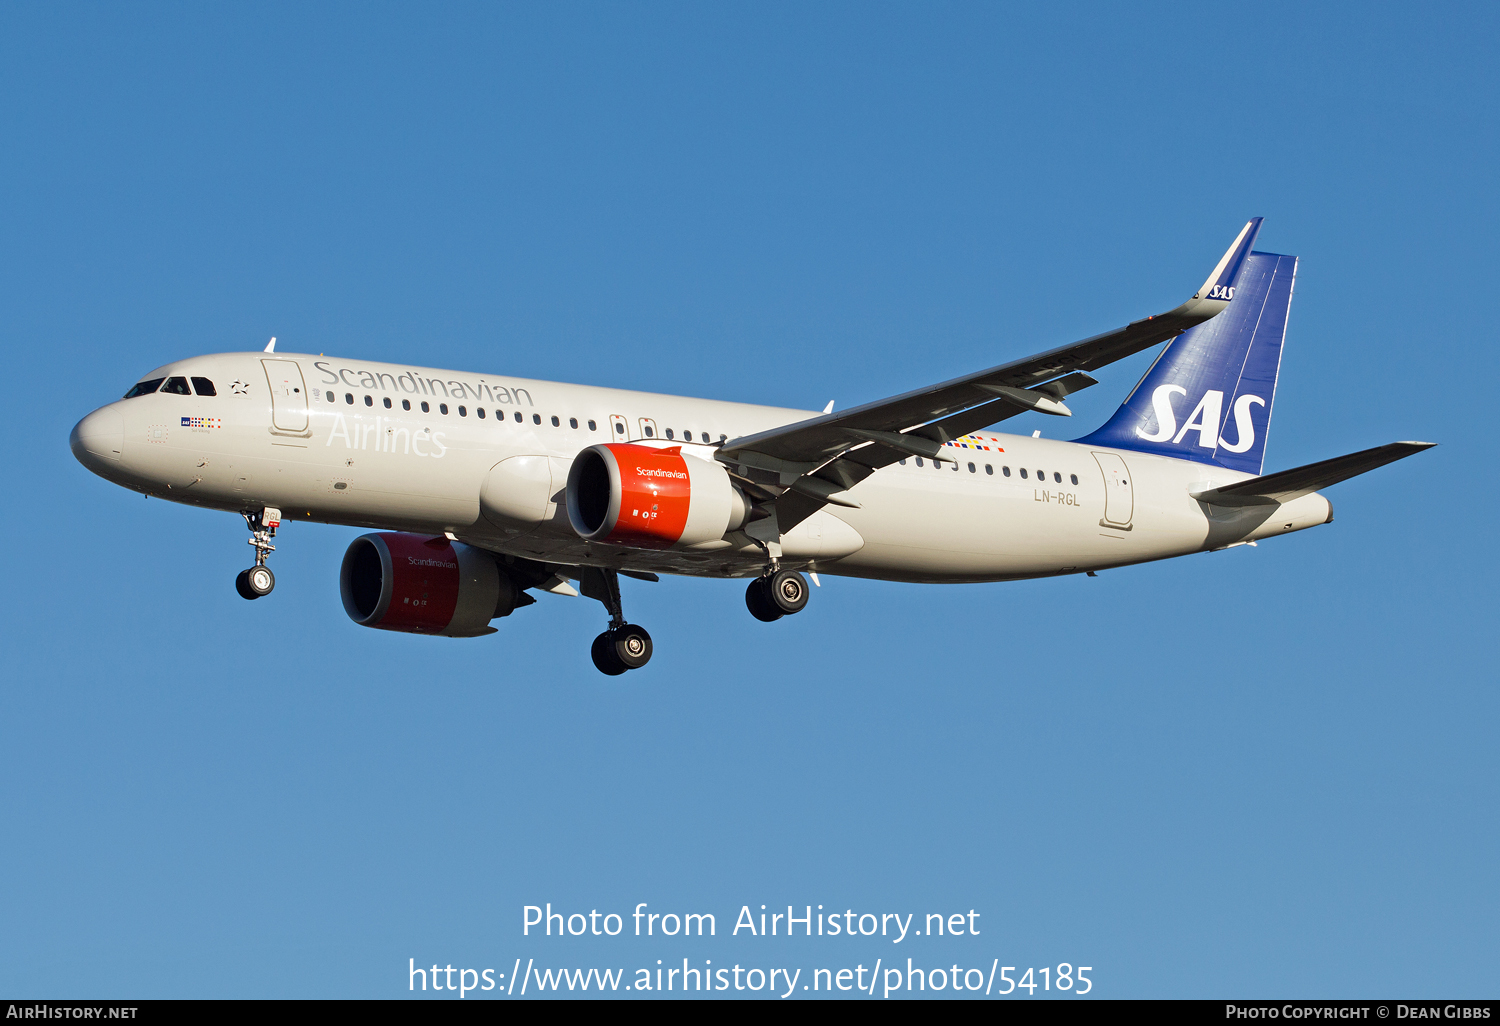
(621,648)
(780,593)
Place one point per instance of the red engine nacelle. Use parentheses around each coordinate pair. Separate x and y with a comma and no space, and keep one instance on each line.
(421,585)
(651,498)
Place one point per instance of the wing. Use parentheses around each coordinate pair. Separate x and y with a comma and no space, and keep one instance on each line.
(802,466)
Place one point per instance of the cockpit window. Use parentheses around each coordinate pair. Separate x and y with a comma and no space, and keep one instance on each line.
(203,386)
(144,387)
(177,386)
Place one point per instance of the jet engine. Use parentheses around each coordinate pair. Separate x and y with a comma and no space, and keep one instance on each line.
(650,498)
(422,585)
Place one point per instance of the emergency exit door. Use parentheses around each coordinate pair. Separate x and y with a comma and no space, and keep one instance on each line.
(288,395)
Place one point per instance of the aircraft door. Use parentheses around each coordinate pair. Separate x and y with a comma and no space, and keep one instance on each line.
(288,395)
(1119,495)
(619,429)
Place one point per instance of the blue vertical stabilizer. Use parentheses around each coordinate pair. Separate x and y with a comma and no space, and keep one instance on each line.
(1208,397)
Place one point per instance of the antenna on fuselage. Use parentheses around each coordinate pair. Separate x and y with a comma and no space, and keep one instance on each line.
(270,346)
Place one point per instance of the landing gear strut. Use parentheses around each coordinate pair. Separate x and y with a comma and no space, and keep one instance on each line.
(258,580)
(777,594)
(624,646)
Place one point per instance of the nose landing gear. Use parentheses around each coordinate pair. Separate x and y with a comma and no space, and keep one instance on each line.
(258,580)
(624,646)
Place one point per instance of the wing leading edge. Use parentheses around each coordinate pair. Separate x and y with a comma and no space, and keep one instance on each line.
(797,468)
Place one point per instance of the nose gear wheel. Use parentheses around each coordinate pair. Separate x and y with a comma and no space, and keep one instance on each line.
(255,582)
(258,581)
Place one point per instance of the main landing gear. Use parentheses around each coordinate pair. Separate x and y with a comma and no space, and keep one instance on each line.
(259,580)
(776,594)
(624,646)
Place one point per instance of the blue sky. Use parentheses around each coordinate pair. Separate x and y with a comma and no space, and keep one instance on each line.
(1262,772)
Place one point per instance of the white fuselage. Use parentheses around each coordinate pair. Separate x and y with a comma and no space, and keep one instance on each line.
(314,437)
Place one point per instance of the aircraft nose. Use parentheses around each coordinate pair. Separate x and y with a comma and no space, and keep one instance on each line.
(99,439)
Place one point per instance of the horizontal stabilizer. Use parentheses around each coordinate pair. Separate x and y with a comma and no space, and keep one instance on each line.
(1287,485)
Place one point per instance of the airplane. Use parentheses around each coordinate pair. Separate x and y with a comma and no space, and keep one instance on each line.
(480,488)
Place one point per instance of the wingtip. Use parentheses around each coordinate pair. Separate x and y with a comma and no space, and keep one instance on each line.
(1219,288)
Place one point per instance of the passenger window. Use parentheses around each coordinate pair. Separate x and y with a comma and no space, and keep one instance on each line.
(593,426)
(1057,477)
(1005,471)
(177,386)
(650,432)
(406,404)
(480,411)
(536,418)
(203,386)
(369,401)
(463,411)
(1023,473)
(443,409)
(331,397)
(425,407)
(722,439)
(903,463)
(989,468)
(556,422)
(669,434)
(387,402)
(144,387)
(1041,475)
(573,423)
(920,463)
(1073,478)
(972,469)
(619,428)
(349,398)
(518,416)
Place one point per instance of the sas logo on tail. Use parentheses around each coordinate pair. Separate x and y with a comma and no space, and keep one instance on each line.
(1205,420)
(1224,292)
